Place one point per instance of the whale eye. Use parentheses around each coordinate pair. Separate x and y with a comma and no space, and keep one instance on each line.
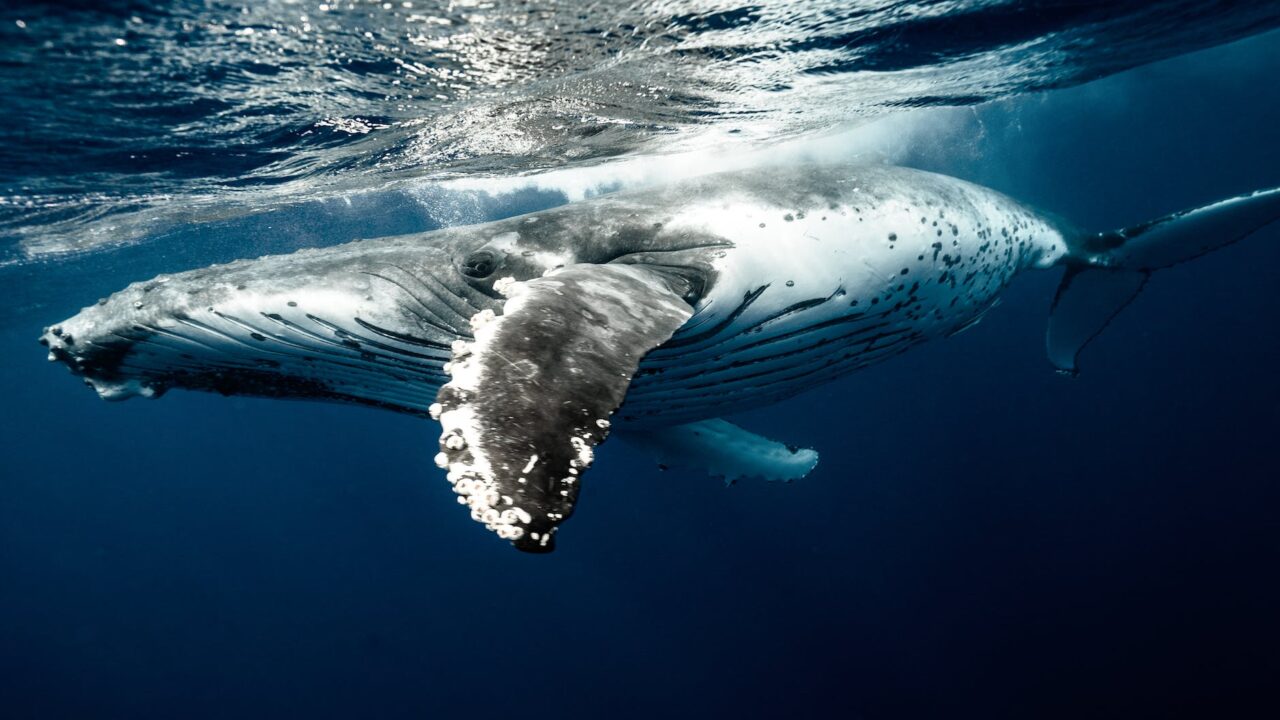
(479,265)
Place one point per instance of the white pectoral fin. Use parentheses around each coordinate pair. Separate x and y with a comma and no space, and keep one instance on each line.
(725,450)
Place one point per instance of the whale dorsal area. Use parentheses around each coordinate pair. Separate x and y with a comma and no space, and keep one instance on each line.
(532,396)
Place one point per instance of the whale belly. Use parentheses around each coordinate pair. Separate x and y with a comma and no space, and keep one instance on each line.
(826,285)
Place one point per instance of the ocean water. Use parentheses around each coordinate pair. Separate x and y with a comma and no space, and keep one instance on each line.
(982,538)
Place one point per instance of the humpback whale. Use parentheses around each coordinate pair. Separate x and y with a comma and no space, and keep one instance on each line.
(650,313)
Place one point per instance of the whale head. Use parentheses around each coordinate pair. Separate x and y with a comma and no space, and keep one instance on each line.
(370,322)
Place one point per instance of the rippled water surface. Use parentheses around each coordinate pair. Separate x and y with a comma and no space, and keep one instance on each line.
(127,117)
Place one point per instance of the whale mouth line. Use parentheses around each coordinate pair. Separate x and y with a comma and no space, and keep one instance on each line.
(277,357)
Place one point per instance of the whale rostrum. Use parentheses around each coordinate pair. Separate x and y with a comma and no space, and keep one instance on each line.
(650,313)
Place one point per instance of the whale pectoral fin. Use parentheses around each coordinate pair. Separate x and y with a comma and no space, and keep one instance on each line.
(532,396)
(725,450)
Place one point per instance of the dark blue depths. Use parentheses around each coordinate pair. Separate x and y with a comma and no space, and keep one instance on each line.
(981,539)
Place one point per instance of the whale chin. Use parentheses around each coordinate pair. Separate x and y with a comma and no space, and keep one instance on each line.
(374,329)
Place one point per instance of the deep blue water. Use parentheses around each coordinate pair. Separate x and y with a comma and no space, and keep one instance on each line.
(982,538)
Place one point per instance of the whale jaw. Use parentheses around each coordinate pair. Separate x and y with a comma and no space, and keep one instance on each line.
(371,332)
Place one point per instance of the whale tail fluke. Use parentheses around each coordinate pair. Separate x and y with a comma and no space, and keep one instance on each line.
(1105,272)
